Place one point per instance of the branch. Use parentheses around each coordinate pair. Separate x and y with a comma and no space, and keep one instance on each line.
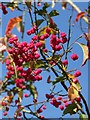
(85,103)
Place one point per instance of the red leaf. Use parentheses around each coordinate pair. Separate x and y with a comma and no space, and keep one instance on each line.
(12,23)
(79,15)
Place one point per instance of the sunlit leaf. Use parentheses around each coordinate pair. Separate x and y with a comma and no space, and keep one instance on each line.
(53,3)
(53,13)
(2,47)
(16,1)
(43,30)
(72,92)
(85,52)
(79,15)
(9,97)
(70,76)
(78,86)
(12,23)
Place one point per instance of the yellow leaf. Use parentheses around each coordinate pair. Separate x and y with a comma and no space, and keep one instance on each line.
(9,97)
(85,52)
(71,76)
(64,67)
(2,47)
(72,92)
(43,30)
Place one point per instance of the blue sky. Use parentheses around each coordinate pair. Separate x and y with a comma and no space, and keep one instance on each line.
(62,22)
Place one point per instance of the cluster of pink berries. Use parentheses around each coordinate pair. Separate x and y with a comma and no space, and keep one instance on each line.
(4,104)
(42,37)
(21,53)
(3,7)
(60,102)
(57,102)
(55,42)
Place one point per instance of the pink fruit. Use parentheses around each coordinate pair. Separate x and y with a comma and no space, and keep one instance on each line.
(63,34)
(44,107)
(78,99)
(39,110)
(66,104)
(77,73)
(61,107)
(59,97)
(48,30)
(65,62)
(74,56)
(5,113)
(58,47)
(39,44)
(26,95)
(75,80)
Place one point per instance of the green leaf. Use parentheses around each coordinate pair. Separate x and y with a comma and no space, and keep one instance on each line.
(43,31)
(39,21)
(58,79)
(78,86)
(46,5)
(26,64)
(83,116)
(53,31)
(40,64)
(71,109)
(53,13)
